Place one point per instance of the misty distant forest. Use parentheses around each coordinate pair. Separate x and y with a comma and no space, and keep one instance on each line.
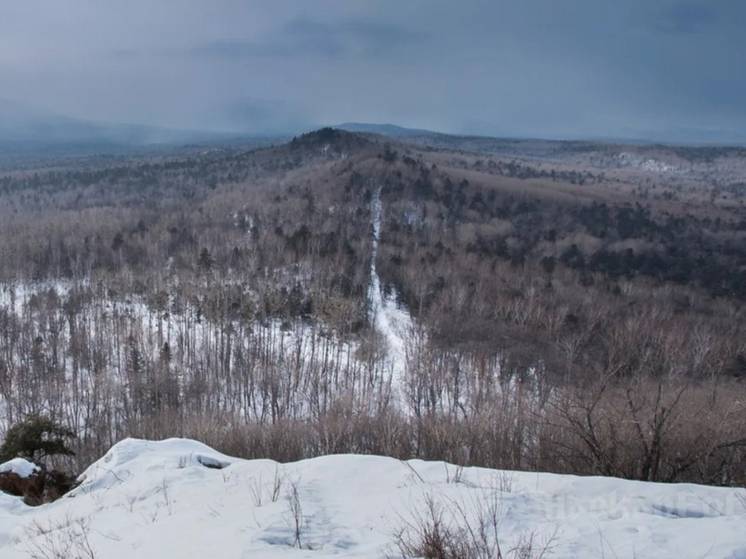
(572,307)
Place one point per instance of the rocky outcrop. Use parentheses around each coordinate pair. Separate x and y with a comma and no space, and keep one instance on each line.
(31,488)
(36,486)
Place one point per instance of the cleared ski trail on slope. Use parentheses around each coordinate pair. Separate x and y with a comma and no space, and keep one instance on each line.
(393,322)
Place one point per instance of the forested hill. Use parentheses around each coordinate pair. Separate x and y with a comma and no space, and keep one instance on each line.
(157,296)
(509,210)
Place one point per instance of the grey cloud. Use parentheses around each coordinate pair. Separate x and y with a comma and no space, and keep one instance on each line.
(689,17)
(578,68)
(237,48)
(368,36)
(303,37)
(262,116)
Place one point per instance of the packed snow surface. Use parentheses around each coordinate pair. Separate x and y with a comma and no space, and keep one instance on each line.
(20,467)
(178,498)
(390,320)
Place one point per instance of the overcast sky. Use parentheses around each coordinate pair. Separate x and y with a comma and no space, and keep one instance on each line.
(573,68)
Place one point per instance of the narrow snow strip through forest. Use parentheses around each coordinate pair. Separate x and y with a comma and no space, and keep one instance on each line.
(392,321)
(179,498)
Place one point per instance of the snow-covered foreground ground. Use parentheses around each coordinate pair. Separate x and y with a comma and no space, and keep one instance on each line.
(161,500)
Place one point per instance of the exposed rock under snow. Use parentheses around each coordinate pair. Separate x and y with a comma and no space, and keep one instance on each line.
(168,500)
(20,467)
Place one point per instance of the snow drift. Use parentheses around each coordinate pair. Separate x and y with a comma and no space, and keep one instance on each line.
(179,498)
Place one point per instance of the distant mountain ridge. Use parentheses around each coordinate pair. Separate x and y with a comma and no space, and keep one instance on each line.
(24,128)
(674,137)
(391,130)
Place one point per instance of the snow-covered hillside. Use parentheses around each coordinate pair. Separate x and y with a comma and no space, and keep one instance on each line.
(179,498)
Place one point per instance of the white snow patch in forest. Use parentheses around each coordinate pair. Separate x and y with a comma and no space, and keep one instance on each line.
(653,165)
(14,297)
(157,499)
(20,467)
(392,321)
(242,355)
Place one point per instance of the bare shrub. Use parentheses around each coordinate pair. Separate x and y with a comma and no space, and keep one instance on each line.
(455,475)
(463,530)
(742,499)
(67,540)
(531,546)
(295,511)
(276,485)
(430,535)
(167,501)
(651,430)
(257,490)
(504,481)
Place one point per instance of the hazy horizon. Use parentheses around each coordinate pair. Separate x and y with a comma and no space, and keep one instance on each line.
(663,71)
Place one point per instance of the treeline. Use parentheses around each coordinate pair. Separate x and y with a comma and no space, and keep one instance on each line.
(618,241)
(224,297)
(189,365)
